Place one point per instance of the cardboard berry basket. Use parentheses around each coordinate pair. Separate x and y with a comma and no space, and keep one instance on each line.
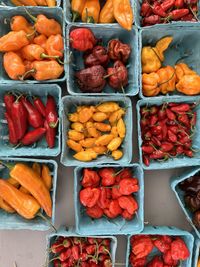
(14,221)
(165,230)
(71,233)
(40,148)
(180,194)
(181,161)
(6,15)
(104,225)
(179,50)
(106,33)
(196,252)
(10,3)
(69,104)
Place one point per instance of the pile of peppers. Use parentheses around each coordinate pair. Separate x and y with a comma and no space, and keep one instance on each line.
(157,79)
(191,188)
(28,122)
(167,131)
(49,3)
(171,250)
(92,79)
(33,51)
(94,11)
(109,193)
(27,190)
(164,11)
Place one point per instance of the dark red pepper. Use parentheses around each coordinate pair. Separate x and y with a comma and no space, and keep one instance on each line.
(167,4)
(178,13)
(75,252)
(50,135)
(39,105)
(172,137)
(158,154)
(82,39)
(147,149)
(179,250)
(181,108)
(179,3)
(90,178)
(145,8)
(11,129)
(153,120)
(33,136)
(158,10)
(119,51)
(98,56)
(118,75)
(183,118)
(146,160)
(170,114)
(166,146)
(9,99)
(151,20)
(188,153)
(156,130)
(51,112)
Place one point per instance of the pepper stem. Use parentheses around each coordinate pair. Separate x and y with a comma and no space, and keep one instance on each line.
(31,34)
(89,19)
(10,166)
(39,214)
(22,77)
(30,15)
(75,15)
(43,55)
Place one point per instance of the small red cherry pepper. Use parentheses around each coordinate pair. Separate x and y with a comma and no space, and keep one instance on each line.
(11,129)
(179,3)
(33,136)
(51,112)
(39,105)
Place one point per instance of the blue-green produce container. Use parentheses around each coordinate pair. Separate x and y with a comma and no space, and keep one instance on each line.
(9,3)
(179,51)
(69,104)
(16,222)
(6,15)
(104,33)
(165,230)
(181,161)
(180,194)
(40,148)
(117,226)
(71,233)
(138,18)
(196,252)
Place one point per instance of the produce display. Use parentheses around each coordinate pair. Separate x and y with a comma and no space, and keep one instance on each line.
(157,251)
(109,193)
(81,251)
(102,64)
(97,130)
(29,121)
(191,189)
(167,131)
(33,50)
(27,190)
(49,3)
(165,11)
(164,80)
(109,11)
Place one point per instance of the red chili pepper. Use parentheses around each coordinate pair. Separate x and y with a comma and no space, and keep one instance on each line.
(142,247)
(153,119)
(33,136)
(90,178)
(190,2)
(188,153)
(147,149)
(123,174)
(65,255)
(174,129)
(39,105)
(94,212)
(103,200)
(155,262)
(160,137)
(193,120)
(126,215)
(167,258)
(115,208)
(11,129)
(137,262)
(167,4)
(170,114)
(164,129)
(9,99)
(115,193)
(178,13)
(158,154)
(161,244)
(50,135)
(75,252)
(144,111)
(51,112)
(184,140)
(148,135)
(166,146)
(179,150)
(128,203)
(145,7)
(156,141)
(128,186)
(181,108)
(144,122)
(153,19)
(179,250)
(34,117)
(161,114)
(183,118)
(172,137)
(158,10)
(57,247)
(146,160)
(19,117)
(82,39)
(156,130)
(57,263)
(179,3)
(89,196)
(107,176)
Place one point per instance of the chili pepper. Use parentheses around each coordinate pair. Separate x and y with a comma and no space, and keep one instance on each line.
(50,135)
(151,20)
(181,108)
(91,79)
(179,150)
(82,39)
(104,201)
(137,262)
(188,145)
(161,114)
(77,8)
(172,137)
(166,146)
(128,203)
(128,186)
(91,10)
(190,2)
(161,244)
(99,56)
(158,10)
(40,40)
(107,13)
(57,247)
(118,50)
(167,4)
(9,99)
(179,3)
(55,46)
(144,111)
(184,140)
(115,208)
(148,135)
(13,41)
(167,258)
(51,112)
(11,128)
(158,154)
(107,175)
(164,129)
(19,117)
(144,122)
(156,130)
(170,114)
(90,178)
(153,110)
(13,65)
(89,196)
(174,129)
(39,105)
(188,153)
(118,75)
(95,212)
(32,52)
(34,117)
(142,246)
(178,13)
(33,136)
(153,120)
(155,262)
(146,160)
(123,13)
(75,252)
(147,149)
(63,255)
(183,118)
(19,23)
(179,250)
(193,120)
(145,7)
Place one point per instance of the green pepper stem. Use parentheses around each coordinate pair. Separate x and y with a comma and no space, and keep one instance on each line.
(39,214)
(22,77)
(43,55)
(10,166)
(75,15)
(30,15)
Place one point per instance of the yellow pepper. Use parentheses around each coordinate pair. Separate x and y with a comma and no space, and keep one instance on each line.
(189,84)
(74,145)
(121,128)
(123,13)
(5,206)
(87,142)
(100,150)
(36,167)
(107,13)
(114,131)
(116,115)
(104,140)
(74,135)
(182,69)
(103,127)
(86,155)
(73,117)
(85,114)
(93,132)
(162,45)
(77,126)
(77,8)
(114,144)
(46,177)
(167,79)
(91,10)
(99,116)
(150,84)
(117,154)
(108,107)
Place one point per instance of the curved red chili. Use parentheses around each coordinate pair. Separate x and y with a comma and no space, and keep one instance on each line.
(50,135)
(33,136)
(39,105)
(9,99)
(51,112)
(11,129)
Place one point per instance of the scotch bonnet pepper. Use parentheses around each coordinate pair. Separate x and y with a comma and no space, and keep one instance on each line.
(91,10)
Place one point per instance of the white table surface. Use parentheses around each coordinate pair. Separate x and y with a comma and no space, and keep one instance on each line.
(28,248)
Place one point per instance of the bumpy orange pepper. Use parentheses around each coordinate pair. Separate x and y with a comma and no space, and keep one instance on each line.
(107,13)
(183,69)
(167,80)
(123,13)
(41,2)
(19,23)
(40,40)
(16,3)
(51,3)
(77,8)
(13,65)
(28,67)
(28,2)
(150,84)
(13,41)
(55,46)
(32,52)
(189,84)
(91,11)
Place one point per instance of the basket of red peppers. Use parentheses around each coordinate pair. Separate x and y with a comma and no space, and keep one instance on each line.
(168,11)
(187,190)
(168,132)
(30,120)
(66,248)
(160,246)
(109,200)
(102,60)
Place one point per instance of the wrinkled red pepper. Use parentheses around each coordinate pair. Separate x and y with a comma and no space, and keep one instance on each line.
(118,75)
(82,39)
(119,51)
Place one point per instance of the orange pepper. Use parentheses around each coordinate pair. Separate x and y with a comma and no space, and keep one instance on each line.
(107,13)
(77,8)
(41,2)
(91,10)
(13,65)
(28,67)
(19,23)
(51,3)
(40,40)
(189,84)
(16,3)
(13,41)
(55,46)
(123,13)
(28,2)
(5,206)
(32,52)
(46,176)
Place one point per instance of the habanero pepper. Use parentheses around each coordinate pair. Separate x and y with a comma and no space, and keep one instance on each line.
(9,99)
(40,40)
(89,196)
(55,45)
(167,258)
(161,244)
(104,201)
(90,178)
(155,262)
(39,105)
(128,203)
(142,246)
(32,52)
(51,112)
(123,13)
(91,10)
(98,56)
(128,186)
(107,13)
(118,75)
(115,208)
(82,39)
(119,51)
(77,9)
(19,23)
(107,175)
(179,250)
(94,212)
(11,129)
(13,65)
(33,136)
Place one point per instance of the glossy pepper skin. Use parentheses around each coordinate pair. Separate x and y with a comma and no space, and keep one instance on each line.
(118,75)
(9,99)
(39,105)
(13,41)
(32,52)
(11,128)
(119,51)
(55,46)
(40,40)
(107,13)
(51,113)
(47,26)
(50,135)
(19,23)
(99,56)
(91,10)
(82,39)
(33,136)
(77,8)
(13,65)
(123,13)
